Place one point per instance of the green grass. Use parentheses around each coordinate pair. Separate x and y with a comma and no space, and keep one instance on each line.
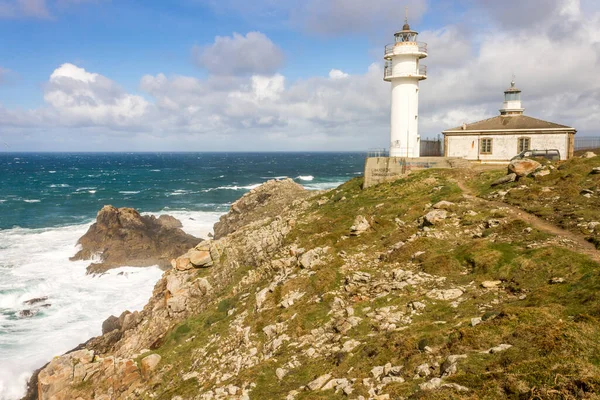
(554,329)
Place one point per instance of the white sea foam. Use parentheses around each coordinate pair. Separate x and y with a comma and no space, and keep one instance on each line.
(305,177)
(274,177)
(197,223)
(322,185)
(51,172)
(155,170)
(92,191)
(234,187)
(34,263)
(31,200)
(129,191)
(59,185)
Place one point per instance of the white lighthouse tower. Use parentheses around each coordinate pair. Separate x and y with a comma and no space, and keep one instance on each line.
(402,69)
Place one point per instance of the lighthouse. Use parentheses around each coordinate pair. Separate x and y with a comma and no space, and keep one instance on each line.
(403,70)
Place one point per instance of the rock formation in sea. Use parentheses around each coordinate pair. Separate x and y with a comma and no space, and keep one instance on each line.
(123,237)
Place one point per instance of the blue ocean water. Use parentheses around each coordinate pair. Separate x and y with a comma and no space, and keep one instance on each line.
(53,189)
(49,200)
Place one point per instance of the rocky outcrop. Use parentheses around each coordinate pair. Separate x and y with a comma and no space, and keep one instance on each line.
(123,237)
(114,357)
(267,200)
(523,167)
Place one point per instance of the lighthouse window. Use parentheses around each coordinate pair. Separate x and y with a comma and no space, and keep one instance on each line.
(485,146)
(524,144)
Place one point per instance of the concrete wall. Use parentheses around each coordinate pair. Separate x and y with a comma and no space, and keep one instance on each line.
(387,169)
(504,147)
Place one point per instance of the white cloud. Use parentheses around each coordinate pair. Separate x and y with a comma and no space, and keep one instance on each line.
(254,53)
(337,74)
(81,98)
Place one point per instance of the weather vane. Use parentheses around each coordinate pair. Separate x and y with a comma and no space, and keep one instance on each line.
(406,15)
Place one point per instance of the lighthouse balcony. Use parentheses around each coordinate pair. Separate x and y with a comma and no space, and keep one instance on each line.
(389,74)
(405,48)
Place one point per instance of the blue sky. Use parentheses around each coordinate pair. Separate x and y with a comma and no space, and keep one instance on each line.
(151,72)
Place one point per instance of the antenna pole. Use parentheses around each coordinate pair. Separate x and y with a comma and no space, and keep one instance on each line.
(406,15)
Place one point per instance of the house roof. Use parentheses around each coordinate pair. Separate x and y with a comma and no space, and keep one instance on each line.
(505,123)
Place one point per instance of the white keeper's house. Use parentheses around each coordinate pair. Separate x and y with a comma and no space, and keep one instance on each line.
(500,138)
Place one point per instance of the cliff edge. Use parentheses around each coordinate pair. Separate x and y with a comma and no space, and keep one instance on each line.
(269,199)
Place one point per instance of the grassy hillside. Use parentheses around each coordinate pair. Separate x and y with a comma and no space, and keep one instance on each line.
(408,294)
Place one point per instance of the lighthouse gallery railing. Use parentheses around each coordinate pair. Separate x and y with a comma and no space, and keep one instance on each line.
(389,49)
(388,72)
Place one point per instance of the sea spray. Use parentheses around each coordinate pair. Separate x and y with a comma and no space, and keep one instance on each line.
(34,264)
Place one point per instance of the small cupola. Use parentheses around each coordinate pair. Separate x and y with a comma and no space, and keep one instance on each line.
(512,101)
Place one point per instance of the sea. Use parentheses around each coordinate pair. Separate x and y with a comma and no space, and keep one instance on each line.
(49,200)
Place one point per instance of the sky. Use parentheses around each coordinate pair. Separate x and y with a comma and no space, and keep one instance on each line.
(280,75)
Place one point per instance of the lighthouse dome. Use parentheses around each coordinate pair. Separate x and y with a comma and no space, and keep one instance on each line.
(406,27)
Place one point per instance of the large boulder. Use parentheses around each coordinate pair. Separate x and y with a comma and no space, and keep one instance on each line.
(267,200)
(523,167)
(123,237)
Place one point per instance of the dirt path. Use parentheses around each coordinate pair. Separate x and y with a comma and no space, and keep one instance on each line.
(579,242)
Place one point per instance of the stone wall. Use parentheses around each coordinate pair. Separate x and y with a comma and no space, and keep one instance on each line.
(387,169)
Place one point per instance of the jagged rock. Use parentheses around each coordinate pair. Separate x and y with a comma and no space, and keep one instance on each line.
(475,321)
(280,373)
(588,154)
(290,298)
(595,171)
(200,258)
(444,205)
(434,217)
(313,258)
(360,225)
(490,284)
(123,237)
(190,375)
(499,348)
(448,367)
(593,225)
(110,324)
(543,172)
(350,345)
(149,364)
(437,383)
(319,382)
(556,280)
(36,300)
(422,371)
(523,167)
(27,313)
(267,200)
(447,294)
(505,179)
(493,223)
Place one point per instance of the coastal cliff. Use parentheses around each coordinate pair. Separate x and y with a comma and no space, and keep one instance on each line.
(434,286)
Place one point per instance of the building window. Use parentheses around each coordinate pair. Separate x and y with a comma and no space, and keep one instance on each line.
(524,144)
(485,146)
